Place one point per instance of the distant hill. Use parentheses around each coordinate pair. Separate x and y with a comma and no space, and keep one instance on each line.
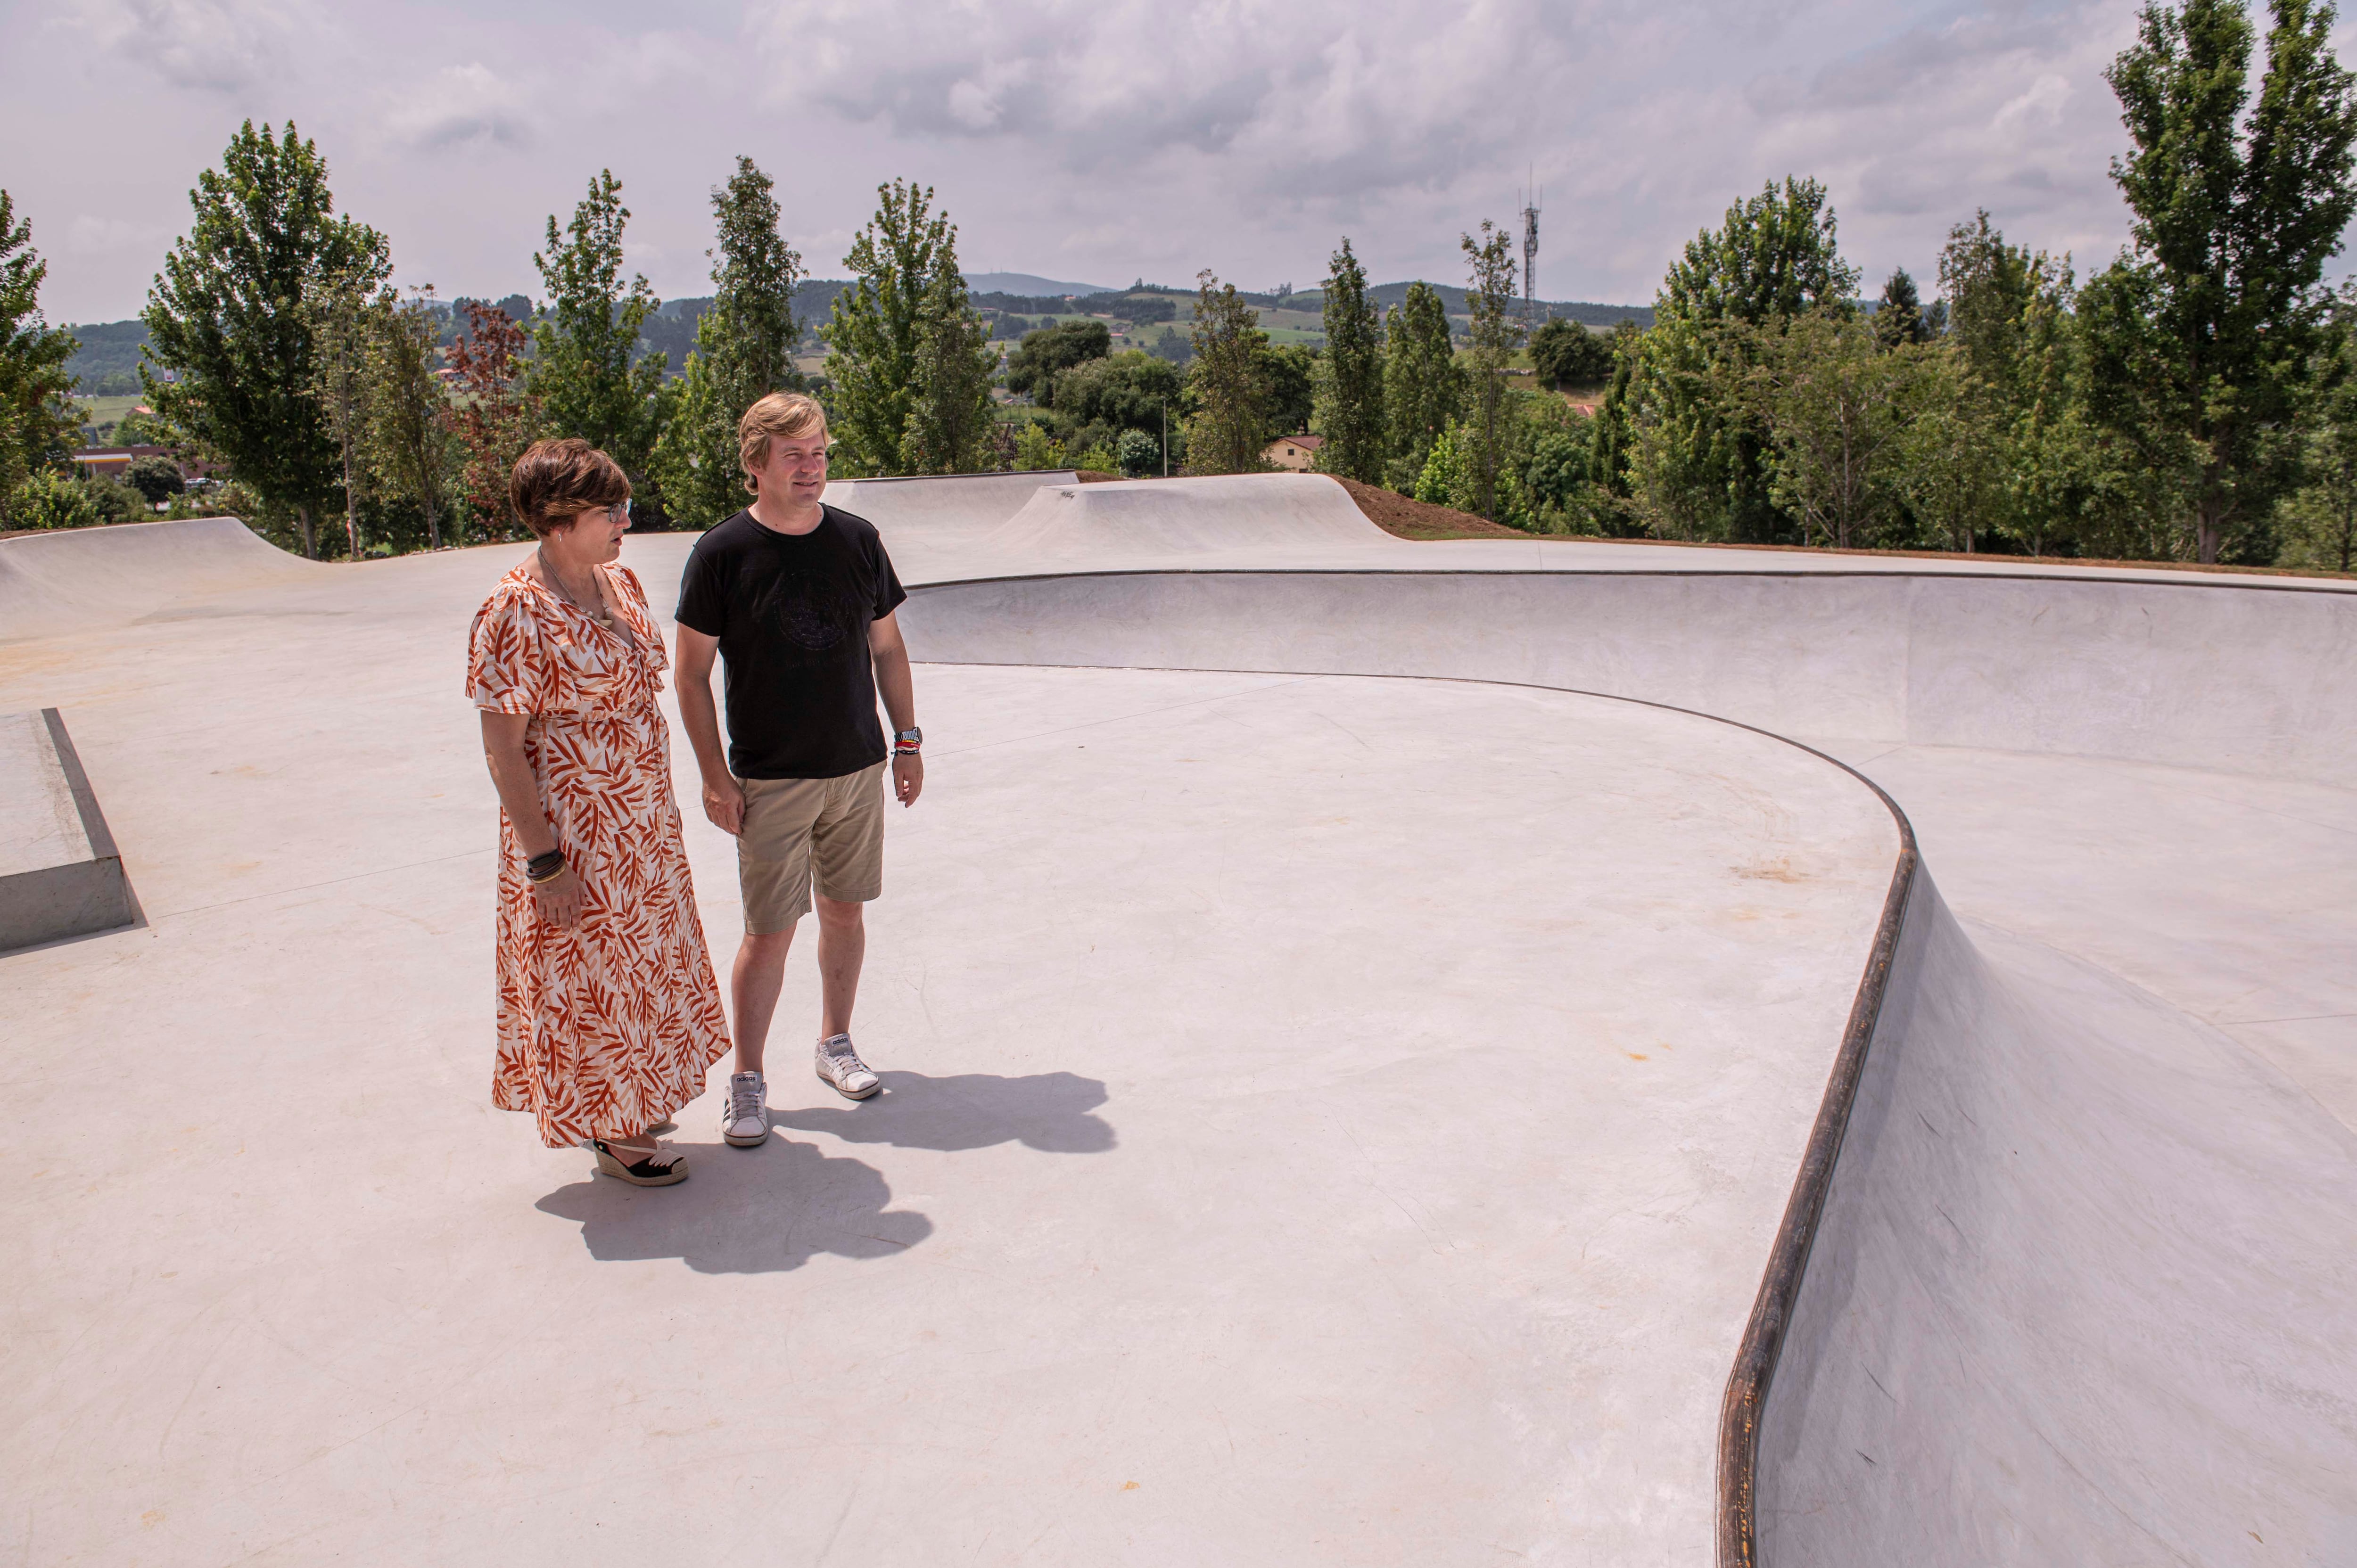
(108,360)
(1029,283)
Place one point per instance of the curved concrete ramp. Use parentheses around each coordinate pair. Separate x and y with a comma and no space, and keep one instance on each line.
(2207,675)
(76,578)
(951,508)
(2078,1291)
(1148,520)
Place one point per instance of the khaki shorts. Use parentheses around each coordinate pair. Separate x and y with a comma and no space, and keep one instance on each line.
(800,830)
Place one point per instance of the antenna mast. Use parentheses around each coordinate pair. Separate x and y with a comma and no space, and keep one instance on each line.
(1530,262)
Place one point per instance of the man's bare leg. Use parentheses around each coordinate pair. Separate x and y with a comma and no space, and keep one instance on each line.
(842,945)
(842,950)
(753,985)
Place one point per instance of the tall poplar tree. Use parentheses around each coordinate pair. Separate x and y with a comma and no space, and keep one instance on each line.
(226,317)
(1350,404)
(345,311)
(744,351)
(1497,332)
(873,337)
(1230,426)
(2202,333)
(582,370)
(949,429)
(411,451)
(1423,388)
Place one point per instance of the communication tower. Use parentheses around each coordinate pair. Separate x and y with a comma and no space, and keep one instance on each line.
(1530,261)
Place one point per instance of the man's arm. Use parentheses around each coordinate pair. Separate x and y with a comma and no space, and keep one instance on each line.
(898,690)
(724,802)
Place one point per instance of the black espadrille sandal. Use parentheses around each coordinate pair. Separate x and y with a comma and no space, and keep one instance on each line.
(664,1167)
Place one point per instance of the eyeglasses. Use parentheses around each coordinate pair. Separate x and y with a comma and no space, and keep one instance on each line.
(618,512)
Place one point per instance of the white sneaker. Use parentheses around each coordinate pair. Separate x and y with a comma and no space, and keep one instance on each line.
(839,1065)
(745,1119)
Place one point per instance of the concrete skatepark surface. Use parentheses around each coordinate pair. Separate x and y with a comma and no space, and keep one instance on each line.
(1269,1172)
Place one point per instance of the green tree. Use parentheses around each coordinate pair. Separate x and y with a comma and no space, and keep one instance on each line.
(1898,315)
(2202,332)
(583,347)
(47,499)
(1288,376)
(1497,333)
(226,317)
(1350,411)
(1423,390)
(1037,451)
(744,351)
(1950,449)
(345,311)
(1098,399)
(1833,401)
(1230,426)
(2317,522)
(873,338)
(1613,509)
(411,452)
(38,419)
(157,479)
(949,428)
(1138,454)
(1564,353)
(1445,480)
(1043,356)
(1698,462)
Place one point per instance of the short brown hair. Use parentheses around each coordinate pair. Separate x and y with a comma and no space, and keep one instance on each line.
(780,413)
(555,481)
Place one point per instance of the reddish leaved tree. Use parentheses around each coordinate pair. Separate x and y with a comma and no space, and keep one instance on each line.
(492,415)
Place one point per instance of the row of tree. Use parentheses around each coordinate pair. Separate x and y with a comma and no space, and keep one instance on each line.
(280,354)
(2196,399)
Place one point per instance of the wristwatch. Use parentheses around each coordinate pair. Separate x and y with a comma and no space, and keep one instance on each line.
(908,739)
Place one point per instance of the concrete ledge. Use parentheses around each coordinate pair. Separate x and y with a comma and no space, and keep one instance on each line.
(60,875)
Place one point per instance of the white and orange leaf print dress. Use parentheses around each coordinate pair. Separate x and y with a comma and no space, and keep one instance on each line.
(609,1026)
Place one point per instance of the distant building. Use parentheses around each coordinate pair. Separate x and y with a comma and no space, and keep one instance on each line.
(113,462)
(1294,452)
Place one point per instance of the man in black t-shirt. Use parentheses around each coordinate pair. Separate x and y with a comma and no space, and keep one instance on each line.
(797,597)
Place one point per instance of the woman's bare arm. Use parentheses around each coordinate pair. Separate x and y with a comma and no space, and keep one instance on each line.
(512,775)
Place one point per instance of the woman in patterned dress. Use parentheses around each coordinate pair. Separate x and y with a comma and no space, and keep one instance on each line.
(608,1012)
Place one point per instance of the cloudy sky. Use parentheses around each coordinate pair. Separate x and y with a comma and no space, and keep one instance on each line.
(1092,139)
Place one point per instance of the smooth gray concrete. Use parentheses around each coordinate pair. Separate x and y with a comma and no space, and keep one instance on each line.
(1266,1177)
(958,509)
(2117,1346)
(60,873)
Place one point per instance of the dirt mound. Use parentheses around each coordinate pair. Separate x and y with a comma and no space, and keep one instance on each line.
(1406,518)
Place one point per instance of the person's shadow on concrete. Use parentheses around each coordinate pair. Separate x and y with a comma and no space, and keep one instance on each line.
(1050,1111)
(743,1211)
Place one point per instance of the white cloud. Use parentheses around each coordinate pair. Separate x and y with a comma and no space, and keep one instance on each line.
(458,106)
(88,235)
(221,46)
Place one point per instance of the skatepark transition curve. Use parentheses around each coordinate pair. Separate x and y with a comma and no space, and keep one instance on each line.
(74,578)
(2055,1253)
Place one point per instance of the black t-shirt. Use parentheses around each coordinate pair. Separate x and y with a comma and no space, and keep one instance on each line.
(792,612)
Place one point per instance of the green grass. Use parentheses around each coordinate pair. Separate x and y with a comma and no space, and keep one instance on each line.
(108,410)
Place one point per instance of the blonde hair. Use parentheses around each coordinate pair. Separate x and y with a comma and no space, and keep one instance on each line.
(780,413)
